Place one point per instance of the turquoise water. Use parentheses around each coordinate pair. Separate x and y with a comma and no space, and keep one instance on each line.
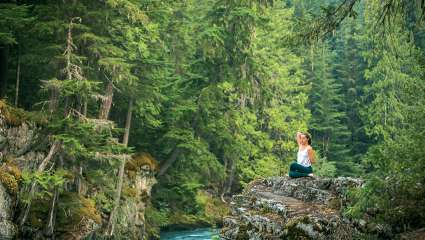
(194,234)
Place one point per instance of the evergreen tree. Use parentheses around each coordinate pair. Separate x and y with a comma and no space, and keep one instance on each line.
(15,19)
(326,103)
(393,118)
(349,68)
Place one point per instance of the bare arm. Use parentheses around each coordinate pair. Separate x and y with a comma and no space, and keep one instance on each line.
(299,138)
(311,156)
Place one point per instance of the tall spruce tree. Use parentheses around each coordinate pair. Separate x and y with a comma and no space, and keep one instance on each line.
(327,107)
(393,116)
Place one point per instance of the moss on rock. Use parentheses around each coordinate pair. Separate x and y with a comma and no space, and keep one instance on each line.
(88,210)
(74,208)
(10,176)
(16,116)
(13,116)
(76,217)
(39,211)
(9,181)
(139,160)
(13,170)
(129,192)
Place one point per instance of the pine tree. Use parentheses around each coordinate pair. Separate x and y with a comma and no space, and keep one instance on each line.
(393,117)
(348,70)
(15,19)
(326,104)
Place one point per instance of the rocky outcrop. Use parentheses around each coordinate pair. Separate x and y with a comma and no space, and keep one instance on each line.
(285,208)
(7,227)
(16,141)
(139,180)
(23,146)
(140,185)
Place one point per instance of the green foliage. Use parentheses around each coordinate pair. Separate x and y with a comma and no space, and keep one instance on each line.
(73,212)
(328,130)
(14,19)
(212,208)
(155,219)
(16,116)
(46,181)
(394,118)
(220,87)
(235,107)
(86,138)
(325,168)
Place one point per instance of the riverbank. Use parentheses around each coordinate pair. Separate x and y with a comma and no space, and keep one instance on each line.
(206,211)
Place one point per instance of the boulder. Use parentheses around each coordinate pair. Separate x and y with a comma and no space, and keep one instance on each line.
(286,208)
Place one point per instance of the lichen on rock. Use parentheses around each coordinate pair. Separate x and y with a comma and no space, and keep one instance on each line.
(140,162)
(10,175)
(7,228)
(285,208)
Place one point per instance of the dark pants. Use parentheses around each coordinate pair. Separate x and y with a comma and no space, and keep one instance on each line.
(297,170)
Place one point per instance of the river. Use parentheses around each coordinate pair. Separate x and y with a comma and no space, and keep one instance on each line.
(193,234)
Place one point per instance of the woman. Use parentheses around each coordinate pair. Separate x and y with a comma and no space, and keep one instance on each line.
(305,157)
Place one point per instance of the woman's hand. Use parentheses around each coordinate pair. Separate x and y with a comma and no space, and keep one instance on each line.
(299,138)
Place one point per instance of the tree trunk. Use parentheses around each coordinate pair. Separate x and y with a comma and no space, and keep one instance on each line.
(111,223)
(231,174)
(53,149)
(68,70)
(312,56)
(66,107)
(50,228)
(79,179)
(18,75)
(4,55)
(224,183)
(128,122)
(85,107)
(106,102)
(164,167)
(54,99)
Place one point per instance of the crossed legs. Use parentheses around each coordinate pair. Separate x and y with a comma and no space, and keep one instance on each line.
(297,170)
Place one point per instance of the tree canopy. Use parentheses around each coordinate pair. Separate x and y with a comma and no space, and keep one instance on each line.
(214,92)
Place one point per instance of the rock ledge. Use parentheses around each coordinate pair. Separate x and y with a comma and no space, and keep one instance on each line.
(285,208)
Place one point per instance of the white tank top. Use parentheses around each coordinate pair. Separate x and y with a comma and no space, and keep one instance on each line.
(302,158)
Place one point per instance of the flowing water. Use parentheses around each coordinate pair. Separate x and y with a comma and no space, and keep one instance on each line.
(193,234)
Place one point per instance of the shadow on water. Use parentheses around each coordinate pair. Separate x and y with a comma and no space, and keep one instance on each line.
(198,234)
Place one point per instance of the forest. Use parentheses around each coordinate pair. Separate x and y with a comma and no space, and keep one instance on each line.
(209,94)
